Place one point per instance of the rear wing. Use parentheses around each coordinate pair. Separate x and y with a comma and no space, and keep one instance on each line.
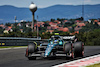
(65,37)
(68,37)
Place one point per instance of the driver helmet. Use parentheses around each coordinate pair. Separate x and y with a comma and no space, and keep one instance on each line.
(56,36)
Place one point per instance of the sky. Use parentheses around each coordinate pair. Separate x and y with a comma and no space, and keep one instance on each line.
(46,3)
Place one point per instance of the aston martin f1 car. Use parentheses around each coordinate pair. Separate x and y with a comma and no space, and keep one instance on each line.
(67,45)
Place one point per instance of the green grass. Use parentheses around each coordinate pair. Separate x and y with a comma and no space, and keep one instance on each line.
(95,65)
(11,46)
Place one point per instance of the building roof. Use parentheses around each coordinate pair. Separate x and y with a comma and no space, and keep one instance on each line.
(65,21)
(58,22)
(2,26)
(37,25)
(9,27)
(80,24)
(40,23)
(95,20)
(78,21)
(63,29)
(98,23)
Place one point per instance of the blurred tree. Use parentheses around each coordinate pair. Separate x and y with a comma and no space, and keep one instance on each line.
(8,24)
(52,20)
(1,30)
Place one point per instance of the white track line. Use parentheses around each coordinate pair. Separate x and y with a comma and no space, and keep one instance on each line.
(12,48)
(81,62)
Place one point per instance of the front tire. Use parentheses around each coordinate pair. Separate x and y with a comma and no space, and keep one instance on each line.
(31,49)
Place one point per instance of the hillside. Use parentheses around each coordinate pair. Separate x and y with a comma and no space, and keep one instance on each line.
(8,12)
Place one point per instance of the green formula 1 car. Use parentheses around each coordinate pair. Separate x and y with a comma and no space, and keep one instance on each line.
(67,45)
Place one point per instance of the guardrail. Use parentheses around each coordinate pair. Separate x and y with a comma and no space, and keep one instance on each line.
(16,41)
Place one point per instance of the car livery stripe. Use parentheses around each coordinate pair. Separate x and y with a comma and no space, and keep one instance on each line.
(36,44)
(49,49)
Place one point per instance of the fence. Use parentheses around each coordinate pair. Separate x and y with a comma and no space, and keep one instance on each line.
(16,41)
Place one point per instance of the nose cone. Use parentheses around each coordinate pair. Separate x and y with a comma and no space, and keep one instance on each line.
(33,7)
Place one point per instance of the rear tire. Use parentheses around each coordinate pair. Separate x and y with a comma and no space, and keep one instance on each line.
(79,49)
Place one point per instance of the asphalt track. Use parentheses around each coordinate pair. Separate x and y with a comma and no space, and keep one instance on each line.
(16,58)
